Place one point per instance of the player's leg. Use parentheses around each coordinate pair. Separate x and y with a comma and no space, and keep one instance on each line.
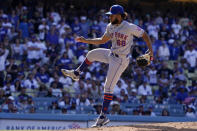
(116,68)
(99,54)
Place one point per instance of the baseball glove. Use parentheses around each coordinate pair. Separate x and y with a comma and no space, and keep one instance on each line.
(143,60)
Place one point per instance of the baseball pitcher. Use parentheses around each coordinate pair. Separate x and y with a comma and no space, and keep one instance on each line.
(121,34)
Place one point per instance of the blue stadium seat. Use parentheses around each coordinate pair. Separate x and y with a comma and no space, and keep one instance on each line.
(85,110)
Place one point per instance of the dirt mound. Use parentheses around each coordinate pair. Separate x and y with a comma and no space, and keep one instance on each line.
(173,126)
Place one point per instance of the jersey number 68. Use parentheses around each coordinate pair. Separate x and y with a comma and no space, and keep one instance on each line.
(121,42)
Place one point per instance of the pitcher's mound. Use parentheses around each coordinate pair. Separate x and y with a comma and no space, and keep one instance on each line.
(173,126)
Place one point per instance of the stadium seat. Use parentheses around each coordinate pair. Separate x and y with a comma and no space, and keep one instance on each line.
(85,110)
(177,112)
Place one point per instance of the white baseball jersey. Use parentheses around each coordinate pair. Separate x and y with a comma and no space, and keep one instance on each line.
(122,40)
(122,36)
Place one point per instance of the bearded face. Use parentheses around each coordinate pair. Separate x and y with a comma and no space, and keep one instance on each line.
(114,22)
(115,19)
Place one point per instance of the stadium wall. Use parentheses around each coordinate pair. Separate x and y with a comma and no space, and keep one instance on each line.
(10,121)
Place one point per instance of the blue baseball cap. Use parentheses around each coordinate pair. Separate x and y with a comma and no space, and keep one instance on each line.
(115,9)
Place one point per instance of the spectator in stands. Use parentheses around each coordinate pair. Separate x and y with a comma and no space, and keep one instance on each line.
(141,110)
(43,29)
(163,33)
(95,90)
(76,27)
(174,49)
(193,87)
(103,21)
(19,83)
(18,50)
(64,110)
(64,61)
(179,75)
(150,109)
(176,27)
(95,30)
(32,109)
(23,94)
(12,108)
(143,99)
(30,101)
(33,51)
(12,68)
(125,99)
(84,26)
(31,82)
(72,108)
(152,75)
(168,73)
(165,112)
(118,88)
(135,112)
(9,105)
(159,100)
(83,100)
(184,34)
(9,88)
(65,101)
(23,105)
(162,91)
(182,94)
(138,75)
(56,91)
(70,51)
(54,106)
(191,56)
(3,56)
(116,109)
(190,111)
(177,67)
(24,27)
(163,52)
(98,108)
(42,91)
(123,96)
(153,29)
(55,79)
(133,95)
(2,96)
(79,87)
(52,36)
(42,53)
(65,81)
(42,76)
(144,89)
(49,93)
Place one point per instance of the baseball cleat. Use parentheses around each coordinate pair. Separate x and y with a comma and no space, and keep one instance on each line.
(101,121)
(70,73)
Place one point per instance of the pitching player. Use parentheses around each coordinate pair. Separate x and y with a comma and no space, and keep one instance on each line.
(121,33)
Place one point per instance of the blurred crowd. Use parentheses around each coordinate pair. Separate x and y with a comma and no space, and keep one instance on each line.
(37,40)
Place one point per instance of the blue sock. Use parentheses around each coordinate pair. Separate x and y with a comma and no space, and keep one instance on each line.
(107,99)
(83,65)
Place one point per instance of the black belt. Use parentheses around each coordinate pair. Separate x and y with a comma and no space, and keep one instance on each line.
(113,54)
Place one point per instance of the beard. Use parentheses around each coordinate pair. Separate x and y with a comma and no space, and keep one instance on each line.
(115,22)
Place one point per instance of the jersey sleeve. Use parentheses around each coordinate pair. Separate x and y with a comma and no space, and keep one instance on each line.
(107,33)
(136,30)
